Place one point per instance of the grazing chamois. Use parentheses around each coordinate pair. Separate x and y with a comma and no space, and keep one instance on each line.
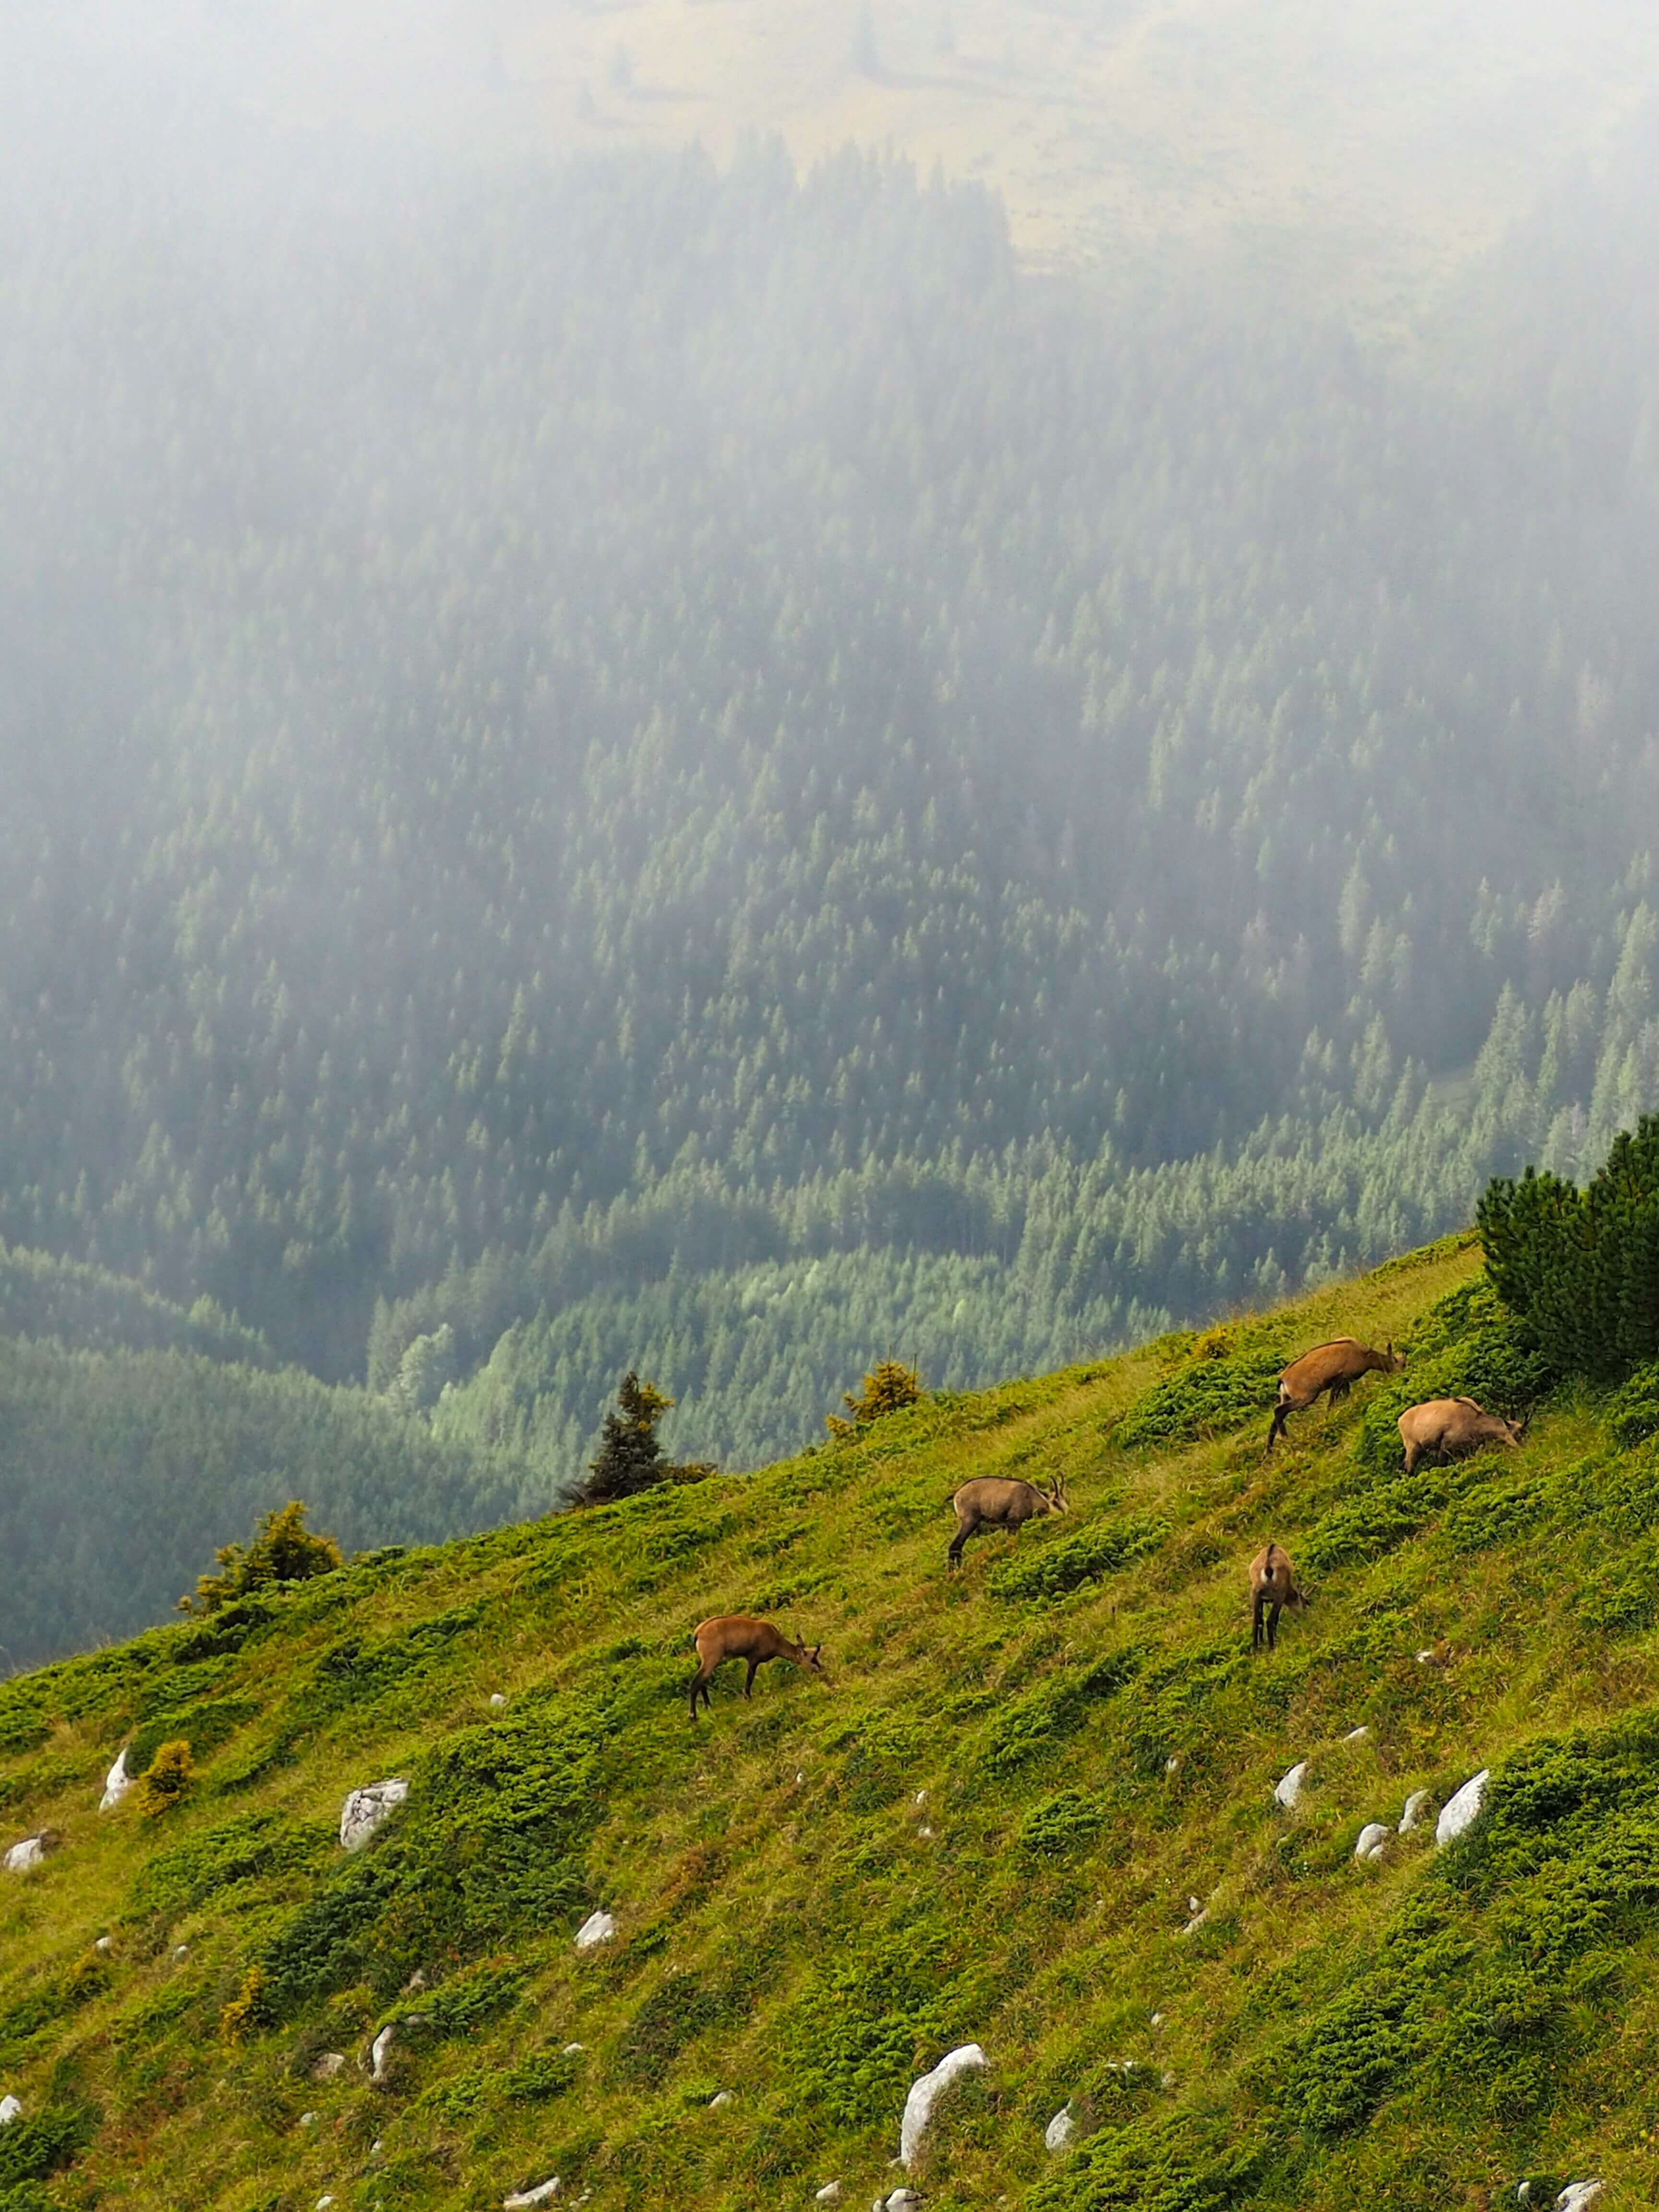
(992,1501)
(1272,1587)
(1336,1367)
(1447,1428)
(736,1635)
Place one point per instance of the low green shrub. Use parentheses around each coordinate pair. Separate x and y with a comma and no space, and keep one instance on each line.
(1633,1414)
(1073,1562)
(1204,1395)
(248,1849)
(864,2024)
(488,1845)
(41,2144)
(1180,2164)
(1062,1823)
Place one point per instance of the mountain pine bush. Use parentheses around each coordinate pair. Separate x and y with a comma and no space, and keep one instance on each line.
(1581,1267)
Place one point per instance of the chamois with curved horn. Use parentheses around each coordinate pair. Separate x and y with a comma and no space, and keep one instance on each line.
(1334,1367)
(992,1501)
(740,1636)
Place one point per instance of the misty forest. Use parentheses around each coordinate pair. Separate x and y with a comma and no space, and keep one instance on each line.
(685,767)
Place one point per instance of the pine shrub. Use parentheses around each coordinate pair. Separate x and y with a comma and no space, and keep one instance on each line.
(166,1781)
(888,1388)
(1581,1267)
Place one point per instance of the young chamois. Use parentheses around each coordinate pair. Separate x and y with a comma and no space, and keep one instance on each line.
(1272,1587)
(1336,1367)
(736,1635)
(1447,1428)
(992,1501)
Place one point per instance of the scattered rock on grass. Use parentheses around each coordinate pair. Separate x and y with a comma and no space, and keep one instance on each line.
(496,1700)
(925,2092)
(829,2194)
(1372,1836)
(23,1857)
(543,2193)
(1413,1812)
(1578,2195)
(1462,1811)
(1360,1735)
(598,1927)
(116,1783)
(105,1945)
(330,2064)
(573,2049)
(719,2101)
(369,1808)
(1061,2131)
(1288,1788)
(379,2051)
(10,2109)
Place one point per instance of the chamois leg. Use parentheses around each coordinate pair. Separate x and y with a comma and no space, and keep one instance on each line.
(1278,1428)
(1272,1625)
(699,1687)
(965,1530)
(749,1679)
(1255,1622)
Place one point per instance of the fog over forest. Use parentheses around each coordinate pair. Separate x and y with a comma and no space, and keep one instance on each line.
(633,760)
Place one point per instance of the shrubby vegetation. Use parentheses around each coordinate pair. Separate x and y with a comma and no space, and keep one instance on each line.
(1580,1268)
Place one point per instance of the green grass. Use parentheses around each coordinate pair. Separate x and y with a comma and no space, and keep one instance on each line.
(986,1826)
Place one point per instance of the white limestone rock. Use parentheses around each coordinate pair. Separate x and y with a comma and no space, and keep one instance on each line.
(598,1927)
(1061,2131)
(105,1945)
(719,2100)
(1288,1788)
(905,2200)
(925,2093)
(1463,1810)
(116,1783)
(829,2194)
(1360,1735)
(368,1810)
(1372,1836)
(181,1951)
(543,2193)
(1577,2196)
(496,1701)
(23,1857)
(10,2109)
(1413,1812)
(331,2063)
(307,2119)
(322,2203)
(573,2049)
(1197,1920)
(381,2050)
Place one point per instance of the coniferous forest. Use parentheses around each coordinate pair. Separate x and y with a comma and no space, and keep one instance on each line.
(649,767)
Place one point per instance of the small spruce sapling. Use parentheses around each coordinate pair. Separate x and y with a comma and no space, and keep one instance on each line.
(889,1386)
(283,1550)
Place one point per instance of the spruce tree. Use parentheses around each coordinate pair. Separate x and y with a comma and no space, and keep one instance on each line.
(631,1457)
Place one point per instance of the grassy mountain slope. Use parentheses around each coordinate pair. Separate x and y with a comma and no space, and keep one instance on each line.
(796,1925)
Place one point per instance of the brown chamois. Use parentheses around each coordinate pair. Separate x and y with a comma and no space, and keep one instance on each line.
(1272,1587)
(992,1501)
(1446,1428)
(736,1635)
(1335,1367)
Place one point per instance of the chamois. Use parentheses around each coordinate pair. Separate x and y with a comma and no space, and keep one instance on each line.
(992,1501)
(1335,1367)
(1446,1428)
(736,1635)
(1272,1587)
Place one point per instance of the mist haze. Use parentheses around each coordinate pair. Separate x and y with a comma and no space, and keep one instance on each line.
(723,691)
